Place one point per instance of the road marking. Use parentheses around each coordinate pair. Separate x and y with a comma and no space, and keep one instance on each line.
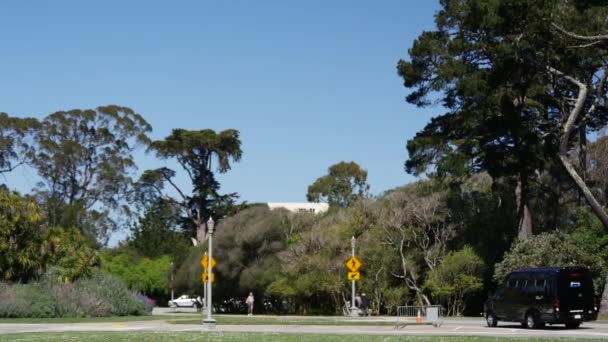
(457,328)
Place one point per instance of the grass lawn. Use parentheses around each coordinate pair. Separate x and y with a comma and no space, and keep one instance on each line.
(246,337)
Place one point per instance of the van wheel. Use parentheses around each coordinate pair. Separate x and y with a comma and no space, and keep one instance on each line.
(531,321)
(573,325)
(491,320)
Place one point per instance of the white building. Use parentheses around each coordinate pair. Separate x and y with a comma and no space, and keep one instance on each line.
(316,208)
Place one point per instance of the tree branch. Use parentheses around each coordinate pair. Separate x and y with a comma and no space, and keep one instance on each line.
(578,36)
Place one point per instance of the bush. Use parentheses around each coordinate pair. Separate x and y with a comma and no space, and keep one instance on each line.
(112,290)
(97,296)
(26,300)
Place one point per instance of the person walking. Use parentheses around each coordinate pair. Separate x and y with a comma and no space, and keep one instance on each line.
(249,301)
(364,304)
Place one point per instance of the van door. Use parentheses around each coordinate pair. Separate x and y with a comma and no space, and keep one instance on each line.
(575,293)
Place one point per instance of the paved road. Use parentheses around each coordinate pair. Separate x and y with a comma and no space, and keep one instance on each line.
(451,327)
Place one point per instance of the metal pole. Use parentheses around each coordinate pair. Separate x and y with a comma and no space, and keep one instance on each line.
(209,273)
(352,245)
(209,323)
(205,296)
(172,281)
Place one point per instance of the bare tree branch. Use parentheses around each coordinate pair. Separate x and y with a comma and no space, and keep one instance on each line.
(578,36)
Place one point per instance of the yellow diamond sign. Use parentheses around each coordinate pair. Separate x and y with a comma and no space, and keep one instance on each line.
(205,262)
(206,277)
(354,275)
(353,264)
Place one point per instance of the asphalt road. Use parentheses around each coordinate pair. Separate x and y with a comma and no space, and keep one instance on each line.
(450,327)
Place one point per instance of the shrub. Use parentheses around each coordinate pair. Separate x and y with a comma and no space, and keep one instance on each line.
(110,289)
(96,296)
(26,300)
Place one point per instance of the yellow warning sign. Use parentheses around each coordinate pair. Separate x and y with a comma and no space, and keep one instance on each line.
(205,262)
(353,264)
(354,275)
(206,277)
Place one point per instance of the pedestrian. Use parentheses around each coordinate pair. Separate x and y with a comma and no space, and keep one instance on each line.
(358,300)
(364,304)
(249,303)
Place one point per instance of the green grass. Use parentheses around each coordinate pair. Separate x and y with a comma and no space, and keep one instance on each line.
(92,319)
(248,337)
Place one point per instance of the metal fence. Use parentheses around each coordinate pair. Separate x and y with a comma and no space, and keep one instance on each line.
(430,314)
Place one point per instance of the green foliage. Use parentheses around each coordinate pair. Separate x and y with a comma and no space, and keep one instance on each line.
(540,251)
(84,158)
(20,237)
(110,289)
(458,275)
(14,144)
(195,151)
(155,232)
(487,63)
(96,296)
(69,253)
(344,184)
(148,275)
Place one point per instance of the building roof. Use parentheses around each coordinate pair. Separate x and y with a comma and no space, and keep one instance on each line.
(296,207)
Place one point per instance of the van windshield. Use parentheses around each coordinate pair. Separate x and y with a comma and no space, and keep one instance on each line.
(575,290)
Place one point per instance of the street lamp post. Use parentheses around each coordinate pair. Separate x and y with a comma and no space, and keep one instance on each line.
(204,303)
(209,323)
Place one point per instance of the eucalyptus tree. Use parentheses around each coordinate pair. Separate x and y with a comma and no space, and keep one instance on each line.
(195,151)
(15,140)
(84,158)
(344,184)
(505,75)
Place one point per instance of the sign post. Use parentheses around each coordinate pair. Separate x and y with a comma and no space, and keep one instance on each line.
(353,264)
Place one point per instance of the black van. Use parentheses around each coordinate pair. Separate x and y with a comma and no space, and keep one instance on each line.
(536,296)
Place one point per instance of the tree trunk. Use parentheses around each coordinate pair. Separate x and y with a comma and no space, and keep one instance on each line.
(604,301)
(582,158)
(573,117)
(595,205)
(524,230)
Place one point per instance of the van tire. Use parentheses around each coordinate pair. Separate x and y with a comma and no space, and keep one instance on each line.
(573,325)
(531,321)
(491,320)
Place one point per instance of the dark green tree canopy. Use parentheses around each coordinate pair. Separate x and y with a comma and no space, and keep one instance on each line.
(500,68)
(345,183)
(196,152)
(84,158)
(487,63)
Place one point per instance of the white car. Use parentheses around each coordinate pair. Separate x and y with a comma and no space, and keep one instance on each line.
(185,301)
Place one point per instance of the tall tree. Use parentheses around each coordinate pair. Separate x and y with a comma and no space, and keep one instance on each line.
(490,64)
(344,184)
(155,233)
(15,134)
(196,152)
(84,158)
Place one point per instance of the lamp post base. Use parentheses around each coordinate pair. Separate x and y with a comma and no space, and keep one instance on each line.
(209,324)
(354,312)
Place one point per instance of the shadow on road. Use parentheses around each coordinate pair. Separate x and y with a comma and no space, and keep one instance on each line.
(547,327)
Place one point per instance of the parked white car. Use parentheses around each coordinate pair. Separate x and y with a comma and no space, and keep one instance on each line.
(185,301)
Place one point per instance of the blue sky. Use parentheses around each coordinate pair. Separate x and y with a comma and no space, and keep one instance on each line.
(307,83)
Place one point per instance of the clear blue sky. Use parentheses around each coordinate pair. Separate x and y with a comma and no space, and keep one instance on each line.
(307,83)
